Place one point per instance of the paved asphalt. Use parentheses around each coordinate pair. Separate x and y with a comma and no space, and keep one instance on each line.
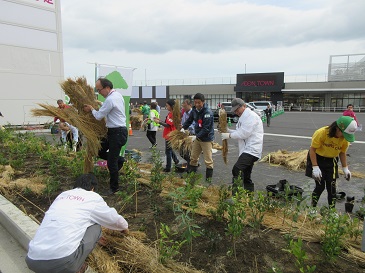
(290,131)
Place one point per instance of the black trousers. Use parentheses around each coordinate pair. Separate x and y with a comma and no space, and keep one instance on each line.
(151,135)
(243,167)
(115,140)
(329,169)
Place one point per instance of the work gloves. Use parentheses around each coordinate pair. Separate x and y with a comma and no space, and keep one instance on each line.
(225,136)
(347,173)
(316,173)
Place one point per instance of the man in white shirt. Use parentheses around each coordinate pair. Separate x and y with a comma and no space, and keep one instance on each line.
(250,134)
(71,228)
(113,109)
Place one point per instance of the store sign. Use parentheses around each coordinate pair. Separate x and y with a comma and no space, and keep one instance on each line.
(260,82)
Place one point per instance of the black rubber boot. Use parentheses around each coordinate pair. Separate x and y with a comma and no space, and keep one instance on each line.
(249,187)
(349,207)
(208,175)
(192,169)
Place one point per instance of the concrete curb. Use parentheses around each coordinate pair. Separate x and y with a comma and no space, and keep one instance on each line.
(19,225)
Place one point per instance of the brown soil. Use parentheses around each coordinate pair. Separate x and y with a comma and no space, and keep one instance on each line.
(257,250)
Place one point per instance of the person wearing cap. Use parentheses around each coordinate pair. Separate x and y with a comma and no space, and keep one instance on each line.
(250,135)
(168,127)
(329,144)
(204,135)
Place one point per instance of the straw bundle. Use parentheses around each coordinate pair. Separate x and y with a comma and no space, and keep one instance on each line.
(222,123)
(131,254)
(291,160)
(176,115)
(102,261)
(136,122)
(180,141)
(80,93)
(137,110)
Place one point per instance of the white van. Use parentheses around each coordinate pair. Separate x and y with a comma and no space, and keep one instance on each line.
(261,105)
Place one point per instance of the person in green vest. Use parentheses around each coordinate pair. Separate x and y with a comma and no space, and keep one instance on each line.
(145,109)
(152,127)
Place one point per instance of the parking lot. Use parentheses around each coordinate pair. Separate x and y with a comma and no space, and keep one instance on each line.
(290,131)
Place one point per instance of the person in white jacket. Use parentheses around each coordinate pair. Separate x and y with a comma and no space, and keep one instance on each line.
(71,228)
(250,134)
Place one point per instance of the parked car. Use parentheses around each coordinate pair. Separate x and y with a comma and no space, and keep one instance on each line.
(261,105)
(234,118)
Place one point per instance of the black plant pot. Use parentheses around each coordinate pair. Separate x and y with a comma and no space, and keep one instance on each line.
(349,207)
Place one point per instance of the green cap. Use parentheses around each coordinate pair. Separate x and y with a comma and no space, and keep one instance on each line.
(348,127)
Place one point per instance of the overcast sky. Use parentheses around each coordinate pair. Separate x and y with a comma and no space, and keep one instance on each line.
(184,39)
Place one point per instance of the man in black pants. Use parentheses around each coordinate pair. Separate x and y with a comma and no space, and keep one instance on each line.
(113,109)
(250,135)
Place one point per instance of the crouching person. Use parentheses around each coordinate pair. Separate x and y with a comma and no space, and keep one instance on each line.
(71,228)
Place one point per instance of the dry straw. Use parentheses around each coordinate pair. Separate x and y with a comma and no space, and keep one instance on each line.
(222,123)
(291,160)
(80,93)
(131,255)
(180,141)
(176,115)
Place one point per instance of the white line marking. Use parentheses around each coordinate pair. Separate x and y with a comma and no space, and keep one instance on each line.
(292,136)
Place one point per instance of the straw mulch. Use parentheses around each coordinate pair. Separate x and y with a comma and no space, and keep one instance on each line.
(308,229)
(291,160)
(36,184)
(129,254)
(296,161)
(80,93)
(222,123)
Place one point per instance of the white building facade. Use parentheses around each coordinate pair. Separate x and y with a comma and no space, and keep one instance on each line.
(31,58)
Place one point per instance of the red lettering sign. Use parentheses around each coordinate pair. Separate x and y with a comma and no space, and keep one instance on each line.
(47,1)
(258,83)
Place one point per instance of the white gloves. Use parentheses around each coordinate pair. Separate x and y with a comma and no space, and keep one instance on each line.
(316,173)
(192,138)
(347,173)
(182,130)
(225,136)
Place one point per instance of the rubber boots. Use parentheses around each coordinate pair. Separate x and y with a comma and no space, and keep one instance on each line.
(208,175)
(192,169)
(249,186)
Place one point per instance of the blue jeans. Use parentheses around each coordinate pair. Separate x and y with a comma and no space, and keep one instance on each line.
(115,140)
(170,154)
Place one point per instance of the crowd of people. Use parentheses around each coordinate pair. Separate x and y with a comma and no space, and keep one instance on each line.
(61,246)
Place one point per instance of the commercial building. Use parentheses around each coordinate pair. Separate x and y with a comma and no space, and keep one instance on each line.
(344,84)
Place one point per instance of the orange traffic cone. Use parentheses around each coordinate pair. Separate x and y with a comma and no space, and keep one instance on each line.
(130,130)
